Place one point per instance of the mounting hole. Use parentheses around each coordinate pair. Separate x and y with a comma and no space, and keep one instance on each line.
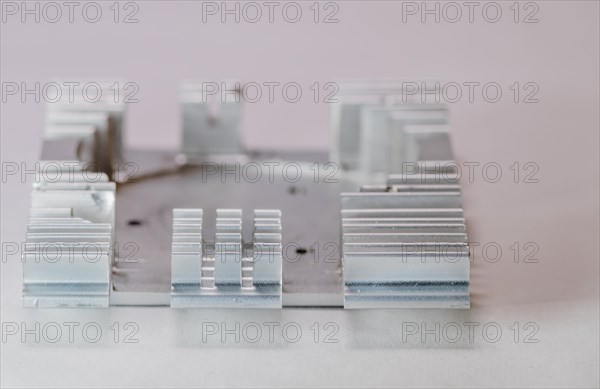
(297,190)
(301,250)
(134,222)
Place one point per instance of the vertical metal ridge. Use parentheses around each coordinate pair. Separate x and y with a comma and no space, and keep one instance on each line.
(186,247)
(268,248)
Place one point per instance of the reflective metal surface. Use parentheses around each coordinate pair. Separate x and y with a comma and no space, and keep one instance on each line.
(231,275)
(377,225)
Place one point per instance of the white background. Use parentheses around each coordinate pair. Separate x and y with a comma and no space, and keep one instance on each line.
(560,213)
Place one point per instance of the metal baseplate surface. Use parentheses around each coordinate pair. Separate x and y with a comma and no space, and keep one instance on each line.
(377,223)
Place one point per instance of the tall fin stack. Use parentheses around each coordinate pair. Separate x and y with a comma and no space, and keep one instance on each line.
(69,253)
(405,247)
(404,241)
(70,237)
